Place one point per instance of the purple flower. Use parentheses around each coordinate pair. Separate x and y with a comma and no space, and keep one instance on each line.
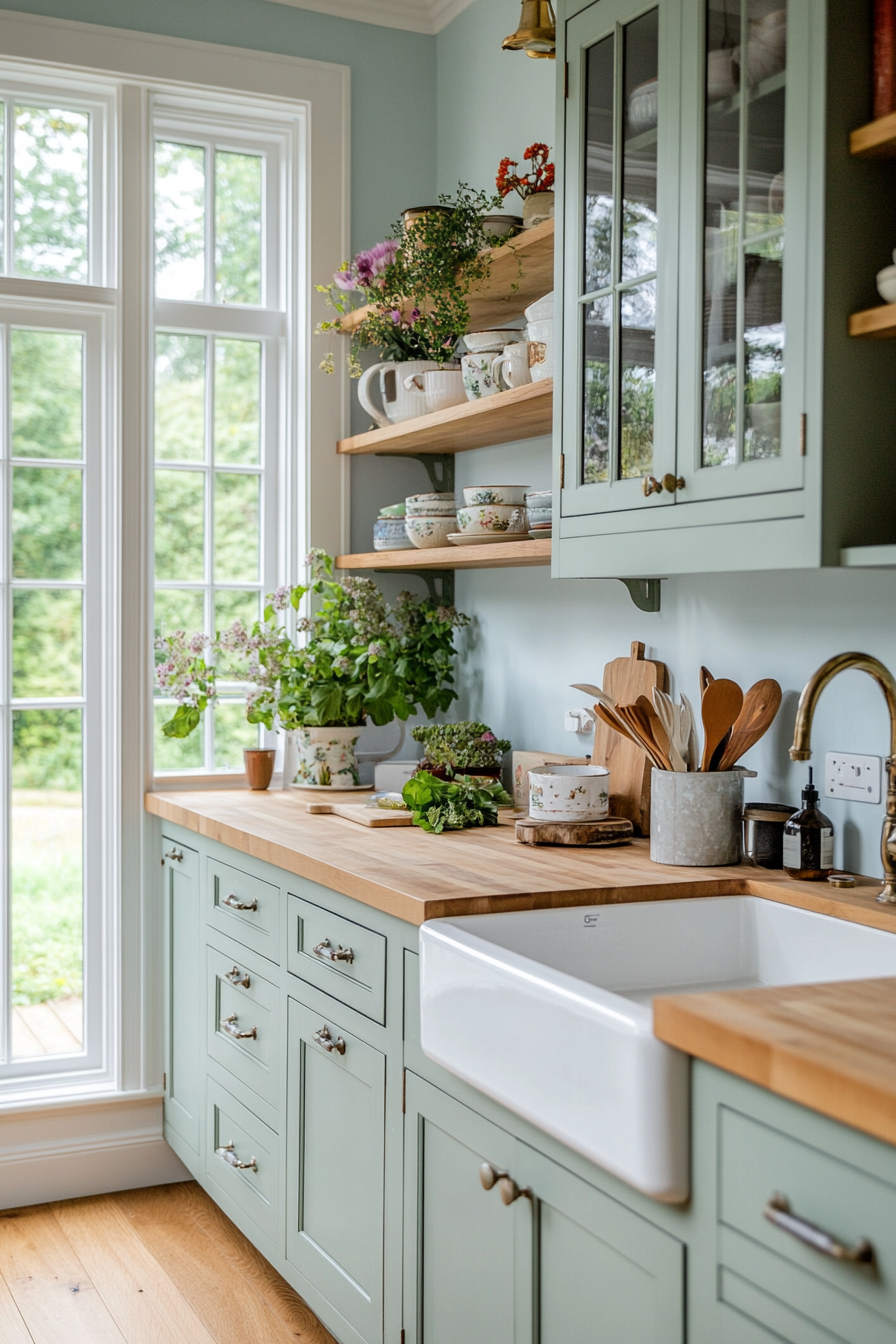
(345,278)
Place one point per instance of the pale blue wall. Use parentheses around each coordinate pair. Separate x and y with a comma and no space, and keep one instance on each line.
(533,635)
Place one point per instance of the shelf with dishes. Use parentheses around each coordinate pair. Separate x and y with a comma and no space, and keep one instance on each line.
(486,555)
(876,140)
(875,324)
(519,413)
(520,271)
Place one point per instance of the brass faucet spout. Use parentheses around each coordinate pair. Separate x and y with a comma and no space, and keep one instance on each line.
(802,750)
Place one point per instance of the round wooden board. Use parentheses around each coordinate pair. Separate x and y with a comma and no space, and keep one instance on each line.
(610,831)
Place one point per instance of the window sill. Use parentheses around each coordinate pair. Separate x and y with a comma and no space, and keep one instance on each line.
(236,780)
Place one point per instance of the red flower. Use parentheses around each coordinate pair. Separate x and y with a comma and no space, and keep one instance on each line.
(539,178)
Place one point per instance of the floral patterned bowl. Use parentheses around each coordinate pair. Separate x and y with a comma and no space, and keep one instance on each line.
(569,793)
(495,494)
(479,521)
(428,532)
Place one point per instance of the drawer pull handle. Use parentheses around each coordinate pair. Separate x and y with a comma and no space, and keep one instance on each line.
(777,1211)
(508,1189)
(238,977)
(232,1026)
(326,1042)
(176,855)
(230,1157)
(234,903)
(330,953)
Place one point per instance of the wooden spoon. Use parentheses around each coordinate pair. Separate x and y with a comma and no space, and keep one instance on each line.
(722,702)
(706,678)
(760,706)
(611,718)
(642,729)
(662,735)
(596,691)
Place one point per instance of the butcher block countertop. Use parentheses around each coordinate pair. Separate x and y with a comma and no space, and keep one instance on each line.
(830,1047)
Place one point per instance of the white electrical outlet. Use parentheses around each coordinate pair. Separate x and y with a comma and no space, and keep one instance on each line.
(855,777)
(578,721)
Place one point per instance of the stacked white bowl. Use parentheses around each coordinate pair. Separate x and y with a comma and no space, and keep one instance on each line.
(430,518)
(493,511)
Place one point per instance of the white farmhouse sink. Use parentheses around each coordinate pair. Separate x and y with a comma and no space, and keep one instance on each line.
(551,1011)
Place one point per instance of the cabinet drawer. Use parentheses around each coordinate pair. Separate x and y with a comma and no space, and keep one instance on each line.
(245,908)
(180,859)
(358,976)
(235,1135)
(243,1023)
(756,1162)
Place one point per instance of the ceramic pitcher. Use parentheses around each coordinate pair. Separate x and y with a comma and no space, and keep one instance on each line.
(398,403)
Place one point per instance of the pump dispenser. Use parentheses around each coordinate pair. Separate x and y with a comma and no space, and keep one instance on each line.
(809,840)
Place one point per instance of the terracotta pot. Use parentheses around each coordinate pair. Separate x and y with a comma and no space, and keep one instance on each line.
(537,208)
(259,762)
(326,757)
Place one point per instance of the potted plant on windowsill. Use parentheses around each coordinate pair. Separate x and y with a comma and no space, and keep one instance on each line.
(361,659)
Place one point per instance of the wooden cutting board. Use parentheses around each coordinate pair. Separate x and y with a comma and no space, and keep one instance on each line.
(594,834)
(360,812)
(625,679)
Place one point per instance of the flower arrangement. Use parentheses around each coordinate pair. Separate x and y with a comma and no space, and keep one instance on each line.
(362,658)
(414,284)
(466,746)
(539,177)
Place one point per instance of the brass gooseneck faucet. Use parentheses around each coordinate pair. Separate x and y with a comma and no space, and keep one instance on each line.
(801,750)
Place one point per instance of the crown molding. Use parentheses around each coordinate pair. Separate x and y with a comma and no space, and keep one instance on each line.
(415,16)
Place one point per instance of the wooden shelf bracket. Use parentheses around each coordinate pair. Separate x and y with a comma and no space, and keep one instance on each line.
(439,583)
(645,593)
(439,468)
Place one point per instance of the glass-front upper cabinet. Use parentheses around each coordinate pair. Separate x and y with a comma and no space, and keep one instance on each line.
(620,267)
(741,422)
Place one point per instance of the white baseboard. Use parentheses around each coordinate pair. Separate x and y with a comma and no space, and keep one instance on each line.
(87,1148)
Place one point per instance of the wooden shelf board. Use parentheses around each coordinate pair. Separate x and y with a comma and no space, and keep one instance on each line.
(875,324)
(868,557)
(526,262)
(521,413)
(490,555)
(877,140)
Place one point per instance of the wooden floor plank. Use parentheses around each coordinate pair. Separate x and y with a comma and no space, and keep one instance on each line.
(141,1298)
(25,1044)
(12,1328)
(232,1288)
(51,1288)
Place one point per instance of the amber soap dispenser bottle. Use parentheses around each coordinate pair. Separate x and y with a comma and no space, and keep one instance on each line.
(809,840)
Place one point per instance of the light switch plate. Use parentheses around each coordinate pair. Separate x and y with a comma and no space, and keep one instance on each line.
(850,776)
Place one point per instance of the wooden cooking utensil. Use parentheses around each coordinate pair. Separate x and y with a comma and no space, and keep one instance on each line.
(671,718)
(642,729)
(611,718)
(596,691)
(761,704)
(706,677)
(722,702)
(689,729)
(624,679)
(661,735)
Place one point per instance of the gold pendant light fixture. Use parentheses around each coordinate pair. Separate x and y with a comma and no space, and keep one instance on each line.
(537,33)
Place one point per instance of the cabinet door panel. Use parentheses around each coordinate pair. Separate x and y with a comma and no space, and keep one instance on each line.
(606,1276)
(184,1044)
(468,1273)
(335,1167)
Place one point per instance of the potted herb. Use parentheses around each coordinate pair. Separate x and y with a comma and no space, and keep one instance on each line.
(466,748)
(535,186)
(360,659)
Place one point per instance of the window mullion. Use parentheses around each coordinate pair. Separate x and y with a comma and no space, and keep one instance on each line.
(5,689)
(210,522)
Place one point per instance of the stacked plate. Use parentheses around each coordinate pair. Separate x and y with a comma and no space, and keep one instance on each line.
(540,511)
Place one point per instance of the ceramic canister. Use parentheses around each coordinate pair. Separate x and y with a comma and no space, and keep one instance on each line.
(569,793)
(695,818)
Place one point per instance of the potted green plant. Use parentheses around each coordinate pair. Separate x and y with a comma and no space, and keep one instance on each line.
(466,748)
(360,659)
(413,288)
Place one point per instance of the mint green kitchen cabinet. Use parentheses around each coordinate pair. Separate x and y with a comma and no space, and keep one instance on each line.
(335,1167)
(714,236)
(530,1255)
(183,950)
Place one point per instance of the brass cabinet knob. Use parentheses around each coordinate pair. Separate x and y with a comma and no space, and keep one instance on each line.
(324,1039)
(488,1176)
(651,486)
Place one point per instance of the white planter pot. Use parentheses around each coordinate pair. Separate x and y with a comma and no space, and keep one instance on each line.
(569,793)
(326,757)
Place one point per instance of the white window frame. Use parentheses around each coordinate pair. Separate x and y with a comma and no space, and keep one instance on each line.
(131,68)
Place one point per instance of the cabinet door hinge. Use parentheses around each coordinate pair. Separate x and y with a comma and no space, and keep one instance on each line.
(803,434)
(562,470)
(402,1337)
(164,1082)
(566,79)
(404,1094)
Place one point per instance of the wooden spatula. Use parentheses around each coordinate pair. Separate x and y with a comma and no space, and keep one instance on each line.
(642,729)
(705,678)
(721,704)
(761,704)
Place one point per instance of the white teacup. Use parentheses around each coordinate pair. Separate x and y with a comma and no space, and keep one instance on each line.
(439,388)
(541,349)
(513,365)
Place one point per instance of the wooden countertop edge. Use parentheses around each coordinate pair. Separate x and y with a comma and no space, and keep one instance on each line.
(840,1078)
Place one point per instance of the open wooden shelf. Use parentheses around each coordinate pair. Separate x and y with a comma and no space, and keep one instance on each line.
(877,140)
(875,324)
(521,413)
(526,262)
(490,555)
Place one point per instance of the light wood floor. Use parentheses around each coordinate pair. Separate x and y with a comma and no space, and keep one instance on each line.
(157,1266)
(52,1028)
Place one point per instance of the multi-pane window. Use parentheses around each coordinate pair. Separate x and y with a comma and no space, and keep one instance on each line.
(54,593)
(220,325)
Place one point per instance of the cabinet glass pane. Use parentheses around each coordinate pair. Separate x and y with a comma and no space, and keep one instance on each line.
(238,209)
(179,423)
(51,193)
(743,329)
(46,886)
(180,221)
(620,253)
(47,393)
(46,523)
(46,643)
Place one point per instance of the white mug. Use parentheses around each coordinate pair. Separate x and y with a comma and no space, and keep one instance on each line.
(513,365)
(439,387)
(390,378)
(541,349)
(480,378)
